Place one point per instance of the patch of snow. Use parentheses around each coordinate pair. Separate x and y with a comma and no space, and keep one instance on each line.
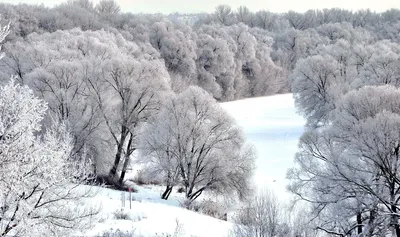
(273,127)
(148,215)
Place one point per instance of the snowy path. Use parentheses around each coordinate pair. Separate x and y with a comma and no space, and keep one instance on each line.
(272,125)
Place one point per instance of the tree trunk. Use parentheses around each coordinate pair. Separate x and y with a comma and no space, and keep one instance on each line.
(195,195)
(167,192)
(120,148)
(395,220)
(359,224)
(371,222)
(397,230)
(127,159)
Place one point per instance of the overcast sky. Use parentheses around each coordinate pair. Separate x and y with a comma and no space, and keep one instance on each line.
(195,6)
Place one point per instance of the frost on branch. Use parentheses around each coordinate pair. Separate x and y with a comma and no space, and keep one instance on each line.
(39,183)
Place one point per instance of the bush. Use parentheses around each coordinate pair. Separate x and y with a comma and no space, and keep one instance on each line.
(120,214)
(207,207)
(260,217)
(181,190)
(118,233)
(144,177)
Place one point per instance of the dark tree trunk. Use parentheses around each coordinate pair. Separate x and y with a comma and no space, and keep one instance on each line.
(167,192)
(371,222)
(397,230)
(195,195)
(120,148)
(359,224)
(128,153)
(395,220)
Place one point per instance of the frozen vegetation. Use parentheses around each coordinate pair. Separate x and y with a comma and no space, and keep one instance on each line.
(231,123)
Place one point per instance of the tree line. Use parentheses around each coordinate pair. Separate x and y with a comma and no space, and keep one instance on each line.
(347,166)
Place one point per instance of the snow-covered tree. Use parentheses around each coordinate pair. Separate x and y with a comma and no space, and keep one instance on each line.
(56,66)
(4,31)
(261,216)
(129,87)
(348,170)
(313,80)
(224,15)
(382,66)
(291,45)
(177,46)
(244,15)
(270,21)
(106,7)
(193,142)
(40,183)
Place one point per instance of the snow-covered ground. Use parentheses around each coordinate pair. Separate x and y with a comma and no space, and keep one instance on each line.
(270,124)
(149,216)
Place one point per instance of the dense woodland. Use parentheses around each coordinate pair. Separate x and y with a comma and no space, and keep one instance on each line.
(90,86)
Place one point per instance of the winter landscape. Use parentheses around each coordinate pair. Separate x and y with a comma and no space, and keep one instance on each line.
(209,119)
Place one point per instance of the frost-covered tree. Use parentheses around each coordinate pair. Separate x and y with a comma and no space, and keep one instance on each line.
(243,14)
(106,7)
(382,66)
(4,31)
(86,4)
(76,14)
(261,216)
(57,66)
(216,65)
(270,21)
(349,169)
(224,15)
(291,45)
(63,68)
(298,21)
(38,176)
(177,46)
(256,74)
(313,81)
(129,87)
(193,142)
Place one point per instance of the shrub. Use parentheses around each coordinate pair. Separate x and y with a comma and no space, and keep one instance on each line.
(207,207)
(118,233)
(180,190)
(145,177)
(120,214)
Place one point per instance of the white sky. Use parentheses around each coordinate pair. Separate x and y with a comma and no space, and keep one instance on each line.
(195,6)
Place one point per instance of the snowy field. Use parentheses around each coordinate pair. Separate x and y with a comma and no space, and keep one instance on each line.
(149,216)
(270,124)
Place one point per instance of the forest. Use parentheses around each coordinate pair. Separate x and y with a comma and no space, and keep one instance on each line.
(85,87)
